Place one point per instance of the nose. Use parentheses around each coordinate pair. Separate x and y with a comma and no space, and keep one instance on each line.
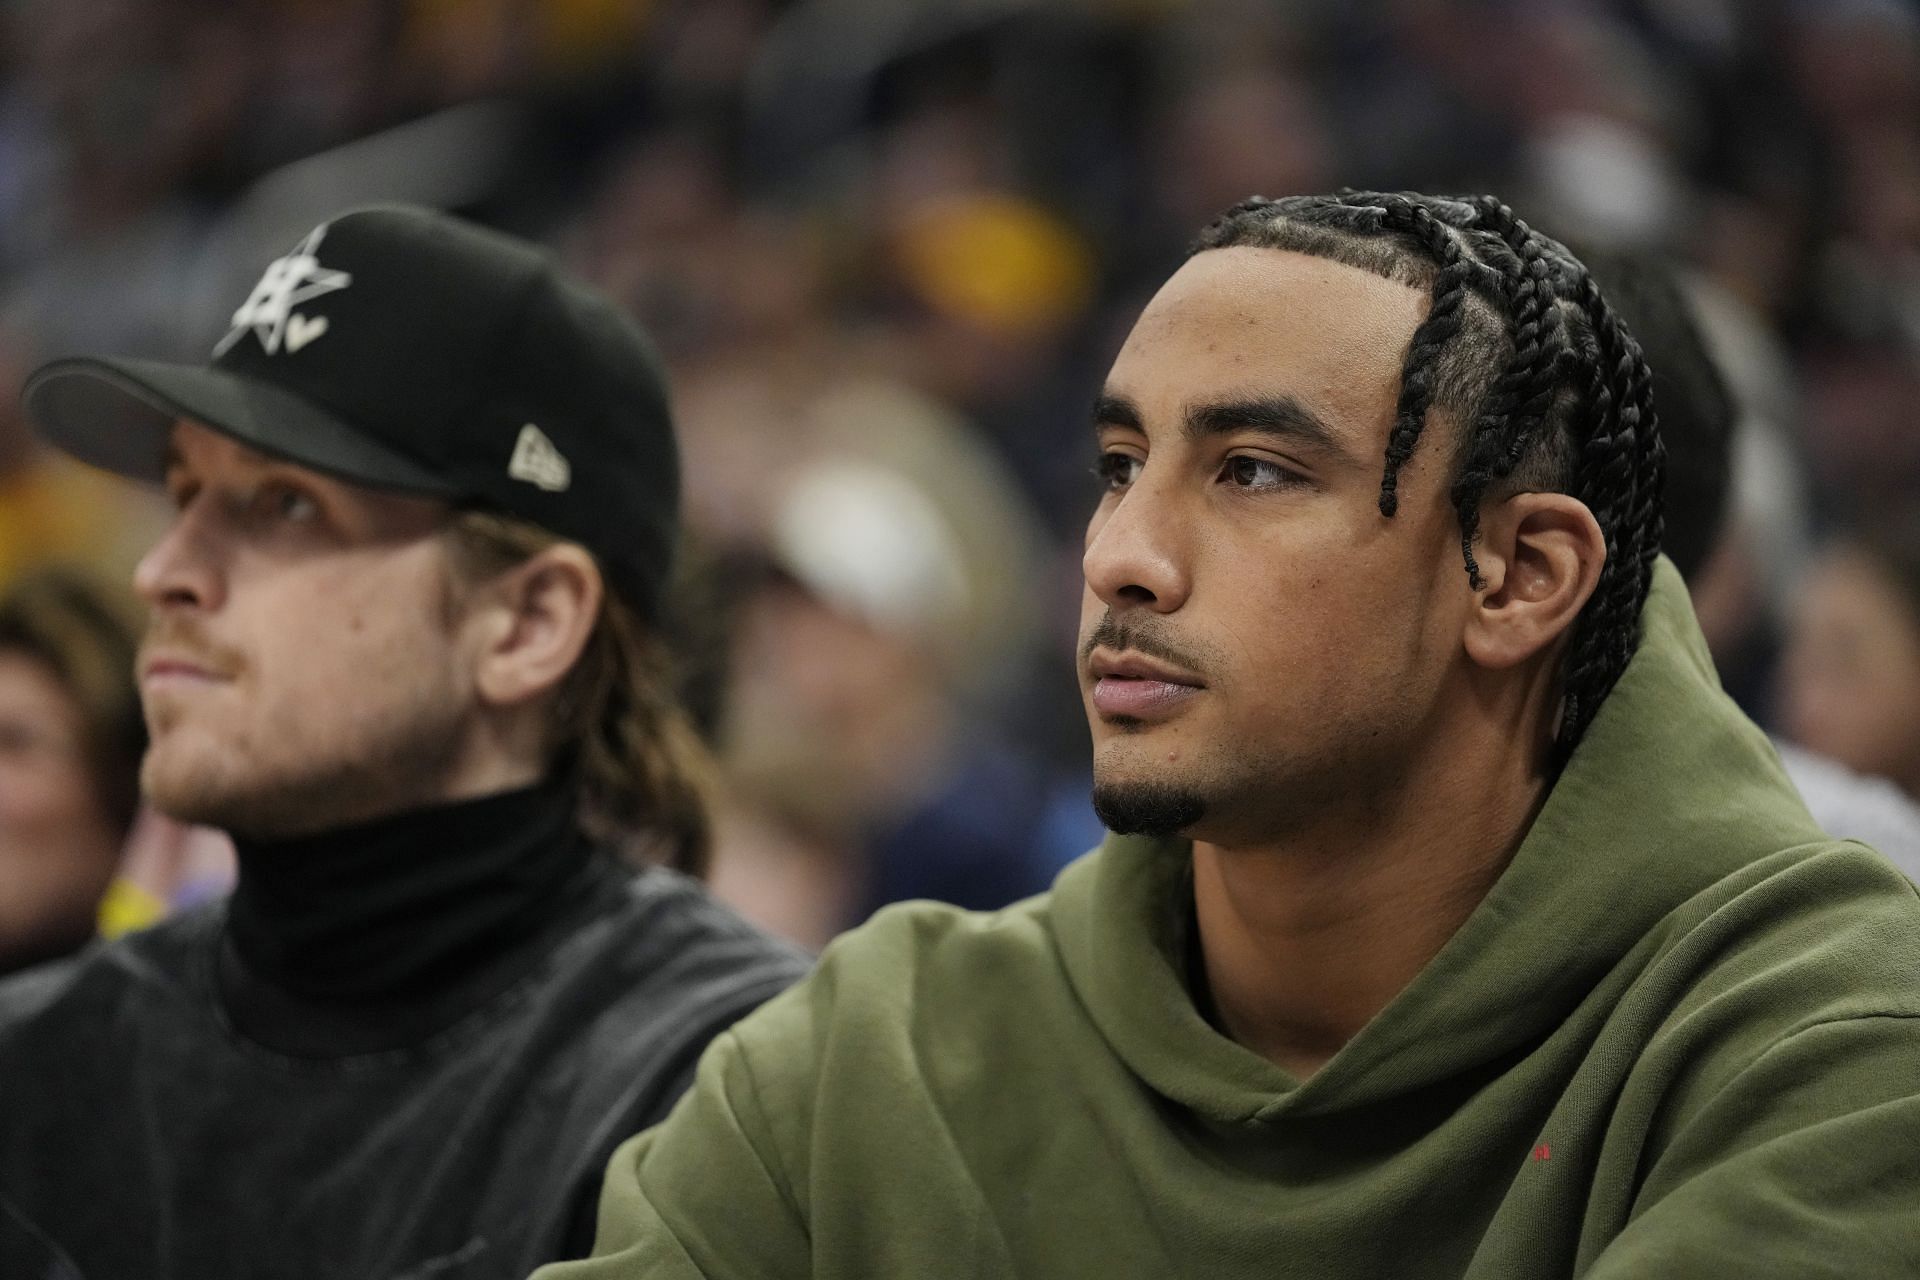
(1135,555)
(181,571)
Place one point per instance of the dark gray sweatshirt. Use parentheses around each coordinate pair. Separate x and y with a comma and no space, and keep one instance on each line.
(401,1051)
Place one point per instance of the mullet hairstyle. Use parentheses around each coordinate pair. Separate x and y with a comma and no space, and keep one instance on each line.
(616,721)
(1546,388)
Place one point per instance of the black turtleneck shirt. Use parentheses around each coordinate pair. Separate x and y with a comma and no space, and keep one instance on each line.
(399,1051)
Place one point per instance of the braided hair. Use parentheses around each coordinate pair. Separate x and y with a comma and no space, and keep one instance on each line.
(1548,389)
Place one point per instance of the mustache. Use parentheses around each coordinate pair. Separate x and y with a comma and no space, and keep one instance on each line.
(185,638)
(1142,635)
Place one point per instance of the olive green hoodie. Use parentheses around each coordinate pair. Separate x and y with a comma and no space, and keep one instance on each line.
(1679,1038)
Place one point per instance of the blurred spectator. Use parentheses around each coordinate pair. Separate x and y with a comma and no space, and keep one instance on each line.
(71,738)
(1255,129)
(1699,422)
(888,601)
(1731,503)
(1851,687)
(1754,541)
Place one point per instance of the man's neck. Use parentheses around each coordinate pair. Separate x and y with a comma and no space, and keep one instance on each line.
(367,938)
(1304,940)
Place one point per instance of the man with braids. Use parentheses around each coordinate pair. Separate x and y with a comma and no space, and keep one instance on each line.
(404,648)
(1455,923)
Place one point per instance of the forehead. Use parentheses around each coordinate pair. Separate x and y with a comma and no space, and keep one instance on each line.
(1272,321)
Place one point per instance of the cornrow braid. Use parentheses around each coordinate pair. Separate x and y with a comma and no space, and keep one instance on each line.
(1548,389)
(1621,480)
(1516,408)
(1439,327)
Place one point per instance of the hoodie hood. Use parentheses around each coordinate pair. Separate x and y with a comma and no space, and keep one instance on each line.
(1621,844)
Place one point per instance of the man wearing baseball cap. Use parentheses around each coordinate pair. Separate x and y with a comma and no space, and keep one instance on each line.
(403,649)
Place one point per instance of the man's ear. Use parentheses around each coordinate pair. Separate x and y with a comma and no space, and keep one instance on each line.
(1540,557)
(539,615)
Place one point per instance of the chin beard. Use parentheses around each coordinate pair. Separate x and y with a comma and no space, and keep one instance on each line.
(1146,808)
(284,799)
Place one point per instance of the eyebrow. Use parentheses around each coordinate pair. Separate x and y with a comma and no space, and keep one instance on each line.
(1113,410)
(1280,416)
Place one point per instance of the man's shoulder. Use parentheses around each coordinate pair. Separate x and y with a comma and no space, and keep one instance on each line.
(661,942)
(1824,892)
(1815,934)
(659,912)
(142,974)
(918,970)
(938,944)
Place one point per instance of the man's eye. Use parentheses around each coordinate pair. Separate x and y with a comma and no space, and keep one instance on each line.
(1116,470)
(283,502)
(1257,473)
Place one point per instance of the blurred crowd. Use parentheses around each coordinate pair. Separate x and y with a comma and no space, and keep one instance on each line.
(889,246)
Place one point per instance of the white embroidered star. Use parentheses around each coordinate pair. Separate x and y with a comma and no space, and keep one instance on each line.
(287,283)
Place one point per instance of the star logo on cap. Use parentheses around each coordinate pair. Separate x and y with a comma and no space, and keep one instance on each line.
(288,282)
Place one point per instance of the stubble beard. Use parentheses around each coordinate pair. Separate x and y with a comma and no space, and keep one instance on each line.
(394,762)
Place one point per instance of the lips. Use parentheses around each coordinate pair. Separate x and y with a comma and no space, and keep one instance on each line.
(1136,687)
(177,670)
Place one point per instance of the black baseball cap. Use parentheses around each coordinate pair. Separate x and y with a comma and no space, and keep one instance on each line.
(406,349)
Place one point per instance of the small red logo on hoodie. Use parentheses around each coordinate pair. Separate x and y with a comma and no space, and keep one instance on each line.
(1543,1152)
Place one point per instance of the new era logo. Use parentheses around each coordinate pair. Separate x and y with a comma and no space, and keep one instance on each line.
(536,461)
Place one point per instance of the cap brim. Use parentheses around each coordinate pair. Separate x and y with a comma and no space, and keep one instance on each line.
(118,414)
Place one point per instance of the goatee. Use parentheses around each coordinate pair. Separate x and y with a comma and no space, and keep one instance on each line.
(1146,808)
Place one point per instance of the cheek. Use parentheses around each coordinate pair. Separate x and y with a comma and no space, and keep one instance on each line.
(1306,592)
(332,666)
(42,793)
(1303,649)
(1336,631)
